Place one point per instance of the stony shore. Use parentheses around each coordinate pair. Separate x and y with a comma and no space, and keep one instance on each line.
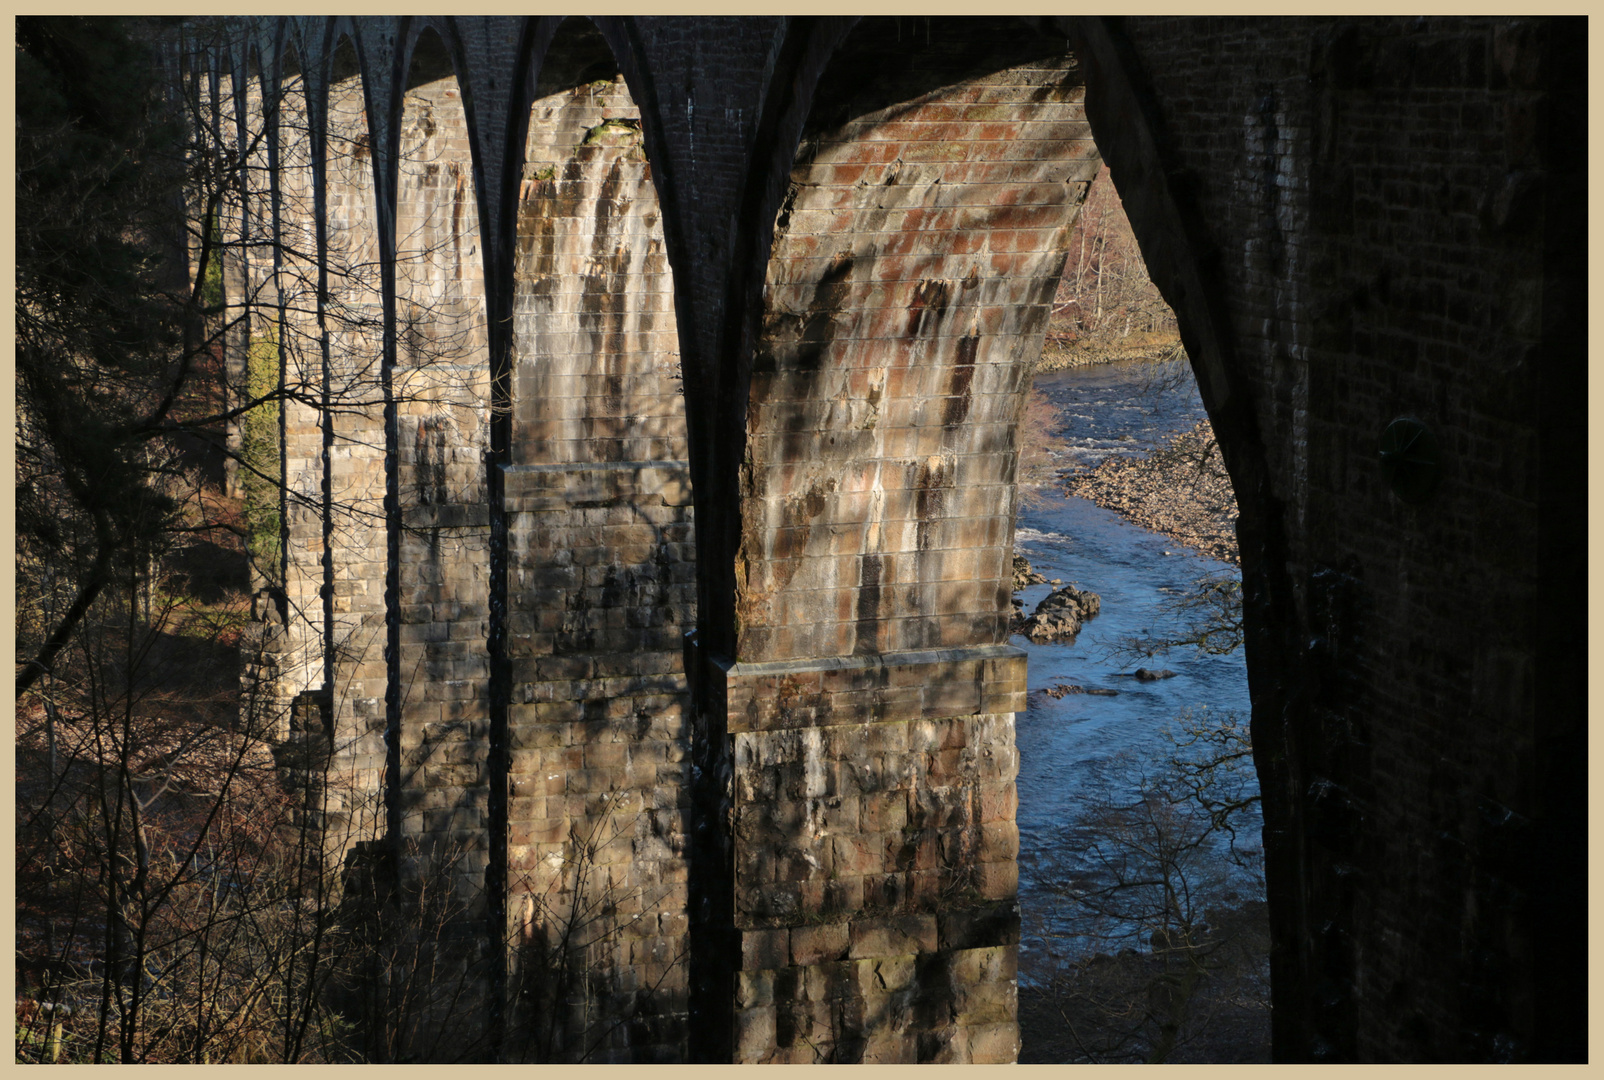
(1180,490)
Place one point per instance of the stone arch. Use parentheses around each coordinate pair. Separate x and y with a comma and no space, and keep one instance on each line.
(241,222)
(911,266)
(282,350)
(438,406)
(440,386)
(287,117)
(318,761)
(1371,92)
(940,254)
(264,343)
(600,575)
(225,83)
(352,532)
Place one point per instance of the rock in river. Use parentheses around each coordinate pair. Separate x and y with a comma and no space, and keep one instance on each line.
(1146,675)
(1058,618)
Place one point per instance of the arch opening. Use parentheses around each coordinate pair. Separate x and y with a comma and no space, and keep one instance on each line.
(913,265)
(1136,767)
(439,395)
(352,533)
(601,583)
(286,352)
(915,259)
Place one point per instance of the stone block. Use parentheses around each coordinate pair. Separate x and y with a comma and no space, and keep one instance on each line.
(754,989)
(842,894)
(927,889)
(885,892)
(975,967)
(817,944)
(765,949)
(999,841)
(886,973)
(998,880)
(941,1044)
(754,1033)
(993,924)
(894,935)
(889,1048)
(858,855)
(993,1044)
(913,849)
(836,983)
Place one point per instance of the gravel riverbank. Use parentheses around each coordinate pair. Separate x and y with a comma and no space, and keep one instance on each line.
(1180,490)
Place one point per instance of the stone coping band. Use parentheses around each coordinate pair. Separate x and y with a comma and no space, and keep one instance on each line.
(917,684)
(561,486)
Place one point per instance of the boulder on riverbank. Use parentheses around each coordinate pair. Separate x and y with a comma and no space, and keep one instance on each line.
(1024,574)
(1059,617)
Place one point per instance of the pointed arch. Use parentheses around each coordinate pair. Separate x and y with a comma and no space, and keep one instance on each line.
(263,479)
(441,385)
(350,326)
(297,332)
(601,565)
(437,396)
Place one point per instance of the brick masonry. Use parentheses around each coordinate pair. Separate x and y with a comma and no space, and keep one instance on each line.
(841,235)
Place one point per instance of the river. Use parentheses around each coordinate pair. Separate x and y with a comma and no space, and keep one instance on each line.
(1108,409)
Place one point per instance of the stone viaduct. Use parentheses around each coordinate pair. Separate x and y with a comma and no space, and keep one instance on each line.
(546,290)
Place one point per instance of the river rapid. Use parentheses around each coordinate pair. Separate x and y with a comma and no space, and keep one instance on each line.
(1109,409)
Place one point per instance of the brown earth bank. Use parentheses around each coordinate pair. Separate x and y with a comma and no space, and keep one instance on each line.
(1062,355)
(1180,490)
(1205,1003)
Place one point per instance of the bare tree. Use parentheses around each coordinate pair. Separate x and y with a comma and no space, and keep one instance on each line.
(175,895)
(1106,306)
(1160,904)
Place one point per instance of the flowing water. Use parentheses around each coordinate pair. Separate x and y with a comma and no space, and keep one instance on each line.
(1109,409)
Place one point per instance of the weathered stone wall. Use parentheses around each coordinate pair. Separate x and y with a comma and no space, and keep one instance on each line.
(439,391)
(353,525)
(295,287)
(319,767)
(602,586)
(254,333)
(1353,220)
